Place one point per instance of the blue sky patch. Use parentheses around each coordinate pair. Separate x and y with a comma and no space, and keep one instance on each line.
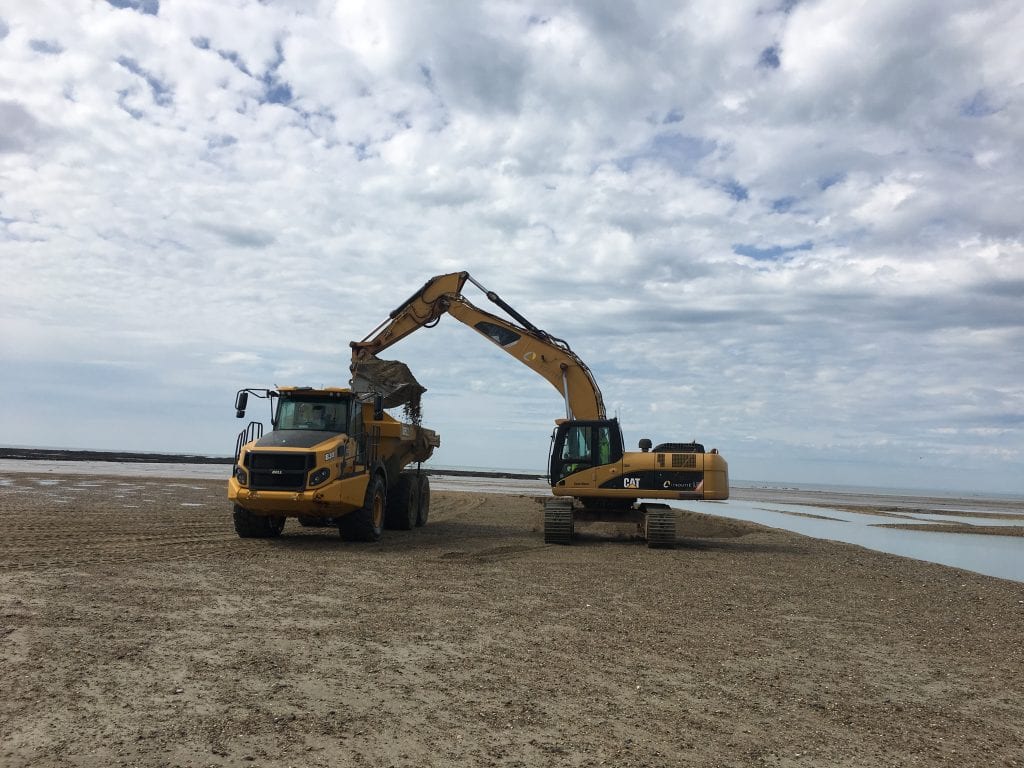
(221,141)
(150,7)
(831,180)
(428,76)
(735,190)
(770,58)
(122,102)
(783,204)
(235,59)
(276,92)
(979,105)
(679,152)
(163,95)
(771,253)
(675,115)
(46,46)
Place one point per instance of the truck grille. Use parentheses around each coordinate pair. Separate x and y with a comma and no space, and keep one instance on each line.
(278,471)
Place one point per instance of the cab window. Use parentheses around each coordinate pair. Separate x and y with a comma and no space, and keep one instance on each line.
(323,416)
(604,445)
(576,453)
(577,445)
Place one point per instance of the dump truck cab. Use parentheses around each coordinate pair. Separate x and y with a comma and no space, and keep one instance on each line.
(308,426)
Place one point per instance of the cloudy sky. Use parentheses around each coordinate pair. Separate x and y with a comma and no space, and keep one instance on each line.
(789,229)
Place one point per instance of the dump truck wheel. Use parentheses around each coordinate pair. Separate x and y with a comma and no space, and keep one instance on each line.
(558,525)
(367,522)
(423,508)
(250,526)
(403,503)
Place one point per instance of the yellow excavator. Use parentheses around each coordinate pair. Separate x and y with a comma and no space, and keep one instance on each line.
(587,461)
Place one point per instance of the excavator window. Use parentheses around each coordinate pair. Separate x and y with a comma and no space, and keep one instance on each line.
(576,451)
(503,337)
(604,445)
(578,446)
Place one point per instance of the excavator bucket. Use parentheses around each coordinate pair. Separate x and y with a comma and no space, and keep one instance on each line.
(392,380)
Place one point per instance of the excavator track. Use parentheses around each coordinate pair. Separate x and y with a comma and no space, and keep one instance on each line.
(661,526)
(558,527)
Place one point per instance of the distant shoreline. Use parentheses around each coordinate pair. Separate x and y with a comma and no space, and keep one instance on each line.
(130,457)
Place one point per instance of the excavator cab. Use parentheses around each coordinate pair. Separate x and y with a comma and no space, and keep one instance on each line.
(579,445)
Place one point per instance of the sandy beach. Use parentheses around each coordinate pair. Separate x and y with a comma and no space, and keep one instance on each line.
(139,630)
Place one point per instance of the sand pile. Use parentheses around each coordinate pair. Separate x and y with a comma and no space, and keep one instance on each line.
(393,380)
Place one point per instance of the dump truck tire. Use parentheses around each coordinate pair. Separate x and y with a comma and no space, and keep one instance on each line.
(250,526)
(423,508)
(367,522)
(403,503)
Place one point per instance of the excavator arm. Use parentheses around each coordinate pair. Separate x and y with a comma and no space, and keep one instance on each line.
(547,355)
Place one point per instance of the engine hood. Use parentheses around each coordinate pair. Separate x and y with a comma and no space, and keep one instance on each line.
(295,438)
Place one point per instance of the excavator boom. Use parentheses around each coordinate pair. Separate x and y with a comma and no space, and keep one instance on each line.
(547,355)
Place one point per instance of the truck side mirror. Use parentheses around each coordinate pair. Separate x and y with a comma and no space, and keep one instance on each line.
(378,407)
(241,400)
(645,445)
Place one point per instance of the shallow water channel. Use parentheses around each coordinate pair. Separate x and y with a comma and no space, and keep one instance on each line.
(1001,556)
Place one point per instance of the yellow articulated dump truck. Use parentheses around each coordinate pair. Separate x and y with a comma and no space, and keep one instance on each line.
(333,457)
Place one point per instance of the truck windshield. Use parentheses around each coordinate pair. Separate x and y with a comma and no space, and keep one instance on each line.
(318,414)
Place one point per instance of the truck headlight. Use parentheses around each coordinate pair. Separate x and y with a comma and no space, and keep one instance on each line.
(241,476)
(320,476)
